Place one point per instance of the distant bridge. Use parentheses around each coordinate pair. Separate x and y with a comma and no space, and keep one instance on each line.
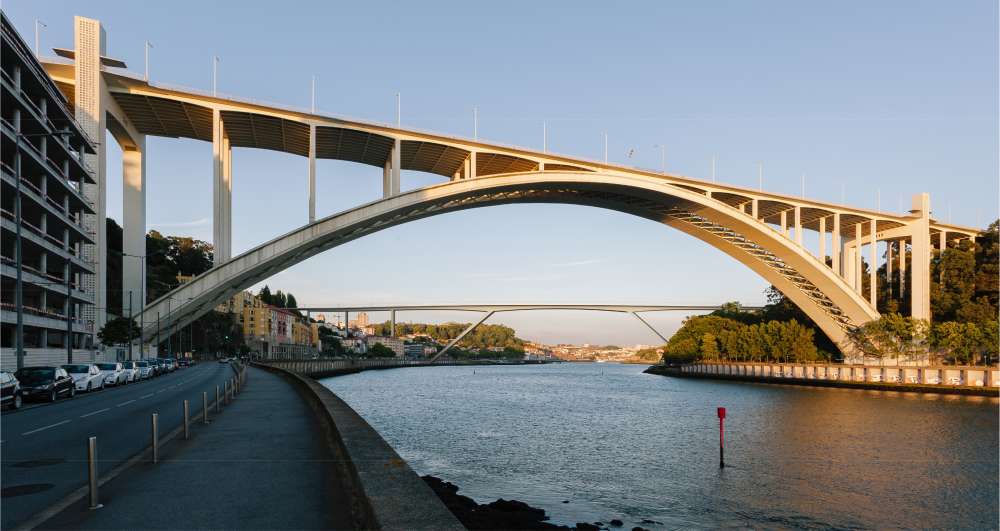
(762,230)
(490,309)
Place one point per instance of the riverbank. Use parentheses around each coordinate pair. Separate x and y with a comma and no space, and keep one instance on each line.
(509,514)
(787,375)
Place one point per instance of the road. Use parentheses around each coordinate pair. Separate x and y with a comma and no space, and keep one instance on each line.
(43,448)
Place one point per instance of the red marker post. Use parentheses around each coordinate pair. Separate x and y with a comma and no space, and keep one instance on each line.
(722,417)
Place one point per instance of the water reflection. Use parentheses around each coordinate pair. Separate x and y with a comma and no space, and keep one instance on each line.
(616,443)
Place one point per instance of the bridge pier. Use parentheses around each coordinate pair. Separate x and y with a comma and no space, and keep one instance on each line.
(222,190)
(134,225)
(312,173)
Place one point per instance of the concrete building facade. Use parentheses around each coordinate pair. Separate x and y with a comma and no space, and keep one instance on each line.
(47,293)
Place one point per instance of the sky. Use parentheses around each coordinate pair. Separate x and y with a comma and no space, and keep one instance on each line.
(867,100)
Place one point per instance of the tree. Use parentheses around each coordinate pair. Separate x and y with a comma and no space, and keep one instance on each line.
(378,350)
(116,331)
(890,336)
(265,295)
(709,347)
(962,342)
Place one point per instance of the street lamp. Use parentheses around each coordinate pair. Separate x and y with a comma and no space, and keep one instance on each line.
(18,255)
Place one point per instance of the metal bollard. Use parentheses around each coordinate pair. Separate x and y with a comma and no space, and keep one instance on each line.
(204,407)
(218,403)
(156,440)
(92,472)
(187,425)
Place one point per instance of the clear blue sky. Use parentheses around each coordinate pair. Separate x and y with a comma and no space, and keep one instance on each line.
(893,95)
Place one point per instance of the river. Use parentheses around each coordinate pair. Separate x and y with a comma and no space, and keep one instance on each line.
(616,443)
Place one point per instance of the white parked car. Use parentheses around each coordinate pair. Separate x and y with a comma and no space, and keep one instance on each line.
(146,369)
(876,378)
(934,380)
(131,371)
(894,378)
(86,376)
(112,373)
(954,380)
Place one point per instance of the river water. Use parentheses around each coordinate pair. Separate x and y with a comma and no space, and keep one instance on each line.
(616,443)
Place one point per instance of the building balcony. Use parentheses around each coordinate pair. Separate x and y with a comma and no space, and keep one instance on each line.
(46,242)
(42,318)
(51,207)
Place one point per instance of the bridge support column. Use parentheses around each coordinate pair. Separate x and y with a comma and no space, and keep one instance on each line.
(822,239)
(222,190)
(134,224)
(902,268)
(798,225)
(784,223)
(90,42)
(390,173)
(392,323)
(873,267)
(858,263)
(920,261)
(471,173)
(753,209)
(888,267)
(836,246)
(312,173)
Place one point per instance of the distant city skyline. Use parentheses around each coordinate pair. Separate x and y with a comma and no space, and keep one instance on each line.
(842,95)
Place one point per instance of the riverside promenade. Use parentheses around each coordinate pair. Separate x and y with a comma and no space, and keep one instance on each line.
(262,463)
(283,453)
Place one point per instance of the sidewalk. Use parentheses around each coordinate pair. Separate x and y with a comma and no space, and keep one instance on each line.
(261,464)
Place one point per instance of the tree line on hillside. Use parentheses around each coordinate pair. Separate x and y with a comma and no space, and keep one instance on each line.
(964,304)
(485,336)
(166,258)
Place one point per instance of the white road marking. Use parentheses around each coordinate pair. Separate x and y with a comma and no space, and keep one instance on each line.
(145,396)
(45,427)
(125,403)
(161,391)
(94,412)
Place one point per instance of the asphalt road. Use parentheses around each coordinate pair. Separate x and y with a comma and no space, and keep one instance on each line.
(43,449)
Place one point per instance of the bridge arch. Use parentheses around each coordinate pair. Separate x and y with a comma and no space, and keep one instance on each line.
(823,295)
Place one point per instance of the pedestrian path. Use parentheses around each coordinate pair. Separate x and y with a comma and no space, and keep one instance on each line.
(261,464)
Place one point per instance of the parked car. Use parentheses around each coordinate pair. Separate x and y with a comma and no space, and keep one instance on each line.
(86,376)
(955,380)
(10,390)
(223,360)
(171,364)
(934,380)
(45,383)
(183,362)
(113,373)
(876,378)
(147,369)
(131,371)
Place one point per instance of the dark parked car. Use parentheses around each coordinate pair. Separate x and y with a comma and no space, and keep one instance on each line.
(10,390)
(45,383)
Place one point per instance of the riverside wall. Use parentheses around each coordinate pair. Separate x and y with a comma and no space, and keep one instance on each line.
(968,380)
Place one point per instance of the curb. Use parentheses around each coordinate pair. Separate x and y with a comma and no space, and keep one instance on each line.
(385,492)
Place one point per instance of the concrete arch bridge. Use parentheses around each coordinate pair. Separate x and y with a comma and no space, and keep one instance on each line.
(762,230)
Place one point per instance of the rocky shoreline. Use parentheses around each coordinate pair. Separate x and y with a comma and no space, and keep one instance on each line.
(509,514)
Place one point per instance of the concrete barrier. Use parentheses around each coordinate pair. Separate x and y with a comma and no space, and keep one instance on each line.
(385,492)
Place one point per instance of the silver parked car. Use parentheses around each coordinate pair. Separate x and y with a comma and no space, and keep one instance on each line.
(112,372)
(86,376)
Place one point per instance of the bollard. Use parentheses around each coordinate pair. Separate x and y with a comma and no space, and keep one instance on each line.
(156,442)
(218,403)
(92,472)
(204,407)
(187,428)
